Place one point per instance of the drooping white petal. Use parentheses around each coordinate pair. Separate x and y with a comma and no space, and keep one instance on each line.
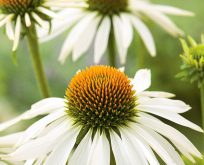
(171,133)
(10,140)
(85,39)
(142,80)
(39,20)
(157,94)
(38,126)
(42,107)
(100,151)
(102,38)
(80,155)
(17,33)
(29,162)
(172,10)
(133,148)
(60,24)
(144,33)
(74,36)
(45,143)
(47,12)
(172,116)
(5,19)
(164,104)
(118,33)
(61,153)
(124,150)
(149,154)
(27,20)
(120,154)
(161,146)
(9,30)
(127,30)
(164,22)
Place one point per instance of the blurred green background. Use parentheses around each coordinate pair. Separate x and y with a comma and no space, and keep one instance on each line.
(18,88)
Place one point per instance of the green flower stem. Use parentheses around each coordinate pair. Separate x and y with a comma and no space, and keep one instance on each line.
(37,64)
(202,102)
(111,50)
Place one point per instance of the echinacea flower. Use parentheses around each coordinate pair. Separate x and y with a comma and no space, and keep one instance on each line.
(18,15)
(193,61)
(97,21)
(105,117)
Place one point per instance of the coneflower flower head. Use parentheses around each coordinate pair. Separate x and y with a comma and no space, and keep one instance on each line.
(102,22)
(18,15)
(104,116)
(101,97)
(193,61)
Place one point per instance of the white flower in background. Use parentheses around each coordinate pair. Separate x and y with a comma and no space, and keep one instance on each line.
(7,144)
(94,21)
(105,117)
(18,15)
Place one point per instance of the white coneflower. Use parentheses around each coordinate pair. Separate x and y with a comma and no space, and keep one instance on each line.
(105,117)
(17,15)
(107,21)
(7,144)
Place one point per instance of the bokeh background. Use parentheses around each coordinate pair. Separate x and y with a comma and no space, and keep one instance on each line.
(18,88)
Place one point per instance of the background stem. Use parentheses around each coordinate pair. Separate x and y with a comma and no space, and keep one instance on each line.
(111,50)
(202,102)
(37,64)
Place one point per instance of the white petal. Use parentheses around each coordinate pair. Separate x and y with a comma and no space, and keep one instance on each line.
(60,24)
(124,150)
(47,12)
(27,20)
(5,19)
(9,30)
(74,36)
(118,33)
(100,151)
(42,107)
(142,80)
(171,133)
(165,23)
(157,94)
(174,117)
(17,33)
(144,33)
(102,38)
(119,151)
(10,140)
(172,10)
(167,105)
(39,20)
(61,153)
(29,162)
(80,155)
(85,39)
(149,154)
(40,146)
(127,30)
(133,148)
(38,126)
(10,123)
(46,106)
(160,145)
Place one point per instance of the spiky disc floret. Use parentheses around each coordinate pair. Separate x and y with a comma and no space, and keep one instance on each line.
(108,6)
(101,96)
(193,61)
(18,6)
